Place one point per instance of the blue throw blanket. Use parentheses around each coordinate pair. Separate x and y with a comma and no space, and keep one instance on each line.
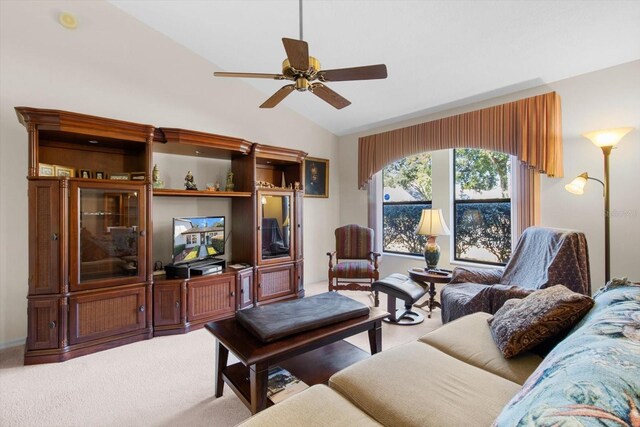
(592,378)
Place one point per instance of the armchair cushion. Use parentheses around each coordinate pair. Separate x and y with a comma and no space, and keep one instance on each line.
(354,242)
(487,276)
(522,324)
(353,270)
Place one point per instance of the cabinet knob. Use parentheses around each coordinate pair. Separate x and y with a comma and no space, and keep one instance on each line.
(177,304)
(233,294)
(141,309)
(52,324)
(54,236)
(143,233)
(298,225)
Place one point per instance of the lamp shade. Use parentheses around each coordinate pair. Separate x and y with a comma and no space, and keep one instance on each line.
(577,185)
(432,223)
(607,137)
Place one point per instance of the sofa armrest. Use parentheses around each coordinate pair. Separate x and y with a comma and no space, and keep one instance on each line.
(496,295)
(485,276)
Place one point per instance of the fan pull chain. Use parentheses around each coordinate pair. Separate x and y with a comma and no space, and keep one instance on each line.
(300,19)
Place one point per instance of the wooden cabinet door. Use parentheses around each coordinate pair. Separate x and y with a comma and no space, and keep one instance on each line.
(108,313)
(210,297)
(245,288)
(43,324)
(46,238)
(107,234)
(167,303)
(276,281)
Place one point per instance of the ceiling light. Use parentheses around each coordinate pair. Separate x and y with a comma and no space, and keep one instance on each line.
(68,20)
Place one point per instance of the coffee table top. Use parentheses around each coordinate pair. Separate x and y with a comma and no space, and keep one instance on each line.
(250,350)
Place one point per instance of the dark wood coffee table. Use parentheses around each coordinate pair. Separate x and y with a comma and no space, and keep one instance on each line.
(312,356)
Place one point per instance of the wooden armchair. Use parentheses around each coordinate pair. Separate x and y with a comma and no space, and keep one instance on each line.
(356,265)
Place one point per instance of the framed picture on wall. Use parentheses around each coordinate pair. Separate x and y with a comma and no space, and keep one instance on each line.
(316,177)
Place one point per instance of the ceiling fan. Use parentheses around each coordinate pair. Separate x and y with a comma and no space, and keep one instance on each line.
(305,73)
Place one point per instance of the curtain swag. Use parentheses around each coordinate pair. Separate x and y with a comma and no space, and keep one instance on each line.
(530,129)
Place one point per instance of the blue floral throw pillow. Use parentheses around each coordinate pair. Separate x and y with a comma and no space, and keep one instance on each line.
(592,378)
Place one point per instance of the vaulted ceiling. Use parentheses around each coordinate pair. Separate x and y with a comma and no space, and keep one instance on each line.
(438,53)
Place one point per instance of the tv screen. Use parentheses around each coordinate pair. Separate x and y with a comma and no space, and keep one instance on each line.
(198,237)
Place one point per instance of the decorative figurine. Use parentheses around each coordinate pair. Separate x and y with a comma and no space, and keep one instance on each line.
(157,182)
(188,182)
(296,186)
(229,185)
(217,186)
(211,186)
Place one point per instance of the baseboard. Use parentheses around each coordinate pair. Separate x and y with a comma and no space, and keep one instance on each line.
(12,343)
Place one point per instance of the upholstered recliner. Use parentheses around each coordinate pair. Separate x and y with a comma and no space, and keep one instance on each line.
(543,257)
(356,264)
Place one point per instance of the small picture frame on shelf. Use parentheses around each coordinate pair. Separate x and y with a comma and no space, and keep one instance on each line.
(138,176)
(64,171)
(46,170)
(120,176)
(100,175)
(84,173)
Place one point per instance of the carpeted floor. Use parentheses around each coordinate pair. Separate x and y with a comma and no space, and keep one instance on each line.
(165,381)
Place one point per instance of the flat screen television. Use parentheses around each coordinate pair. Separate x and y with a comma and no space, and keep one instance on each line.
(197,237)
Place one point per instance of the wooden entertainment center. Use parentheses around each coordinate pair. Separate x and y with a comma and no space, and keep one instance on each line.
(91,281)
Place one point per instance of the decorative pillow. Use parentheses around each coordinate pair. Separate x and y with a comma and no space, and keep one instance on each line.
(521,324)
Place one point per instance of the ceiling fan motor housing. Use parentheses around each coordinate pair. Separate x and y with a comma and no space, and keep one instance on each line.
(292,73)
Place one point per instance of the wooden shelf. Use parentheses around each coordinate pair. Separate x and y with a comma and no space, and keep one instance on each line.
(198,193)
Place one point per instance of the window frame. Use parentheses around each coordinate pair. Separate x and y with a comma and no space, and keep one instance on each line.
(454,209)
(405,203)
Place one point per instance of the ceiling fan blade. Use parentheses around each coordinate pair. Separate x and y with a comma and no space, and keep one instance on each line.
(368,72)
(278,96)
(297,52)
(326,94)
(250,75)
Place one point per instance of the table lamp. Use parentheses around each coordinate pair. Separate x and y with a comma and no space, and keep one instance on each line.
(432,225)
(606,140)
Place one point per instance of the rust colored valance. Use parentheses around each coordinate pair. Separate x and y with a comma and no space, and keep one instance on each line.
(530,129)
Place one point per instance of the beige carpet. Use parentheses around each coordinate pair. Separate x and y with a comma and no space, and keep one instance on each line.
(165,381)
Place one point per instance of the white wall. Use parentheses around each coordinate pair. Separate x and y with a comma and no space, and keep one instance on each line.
(113,66)
(599,100)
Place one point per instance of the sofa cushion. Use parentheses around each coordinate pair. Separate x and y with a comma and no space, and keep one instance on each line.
(418,385)
(469,339)
(316,406)
(591,378)
(521,324)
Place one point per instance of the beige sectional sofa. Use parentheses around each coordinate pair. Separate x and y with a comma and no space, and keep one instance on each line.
(453,376)
(456,376)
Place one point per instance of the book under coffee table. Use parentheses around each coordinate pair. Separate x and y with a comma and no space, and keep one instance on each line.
(312,356)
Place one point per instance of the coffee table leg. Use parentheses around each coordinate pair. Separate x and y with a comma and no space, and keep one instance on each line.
(258,379)
(375,337)
(222,354)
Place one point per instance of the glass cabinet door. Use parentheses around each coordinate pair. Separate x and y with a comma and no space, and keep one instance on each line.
(275,212)
(107,239)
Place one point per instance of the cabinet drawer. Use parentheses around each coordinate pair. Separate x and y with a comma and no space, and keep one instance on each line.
(43,324)
(277,281)
(210,297)
(106,313)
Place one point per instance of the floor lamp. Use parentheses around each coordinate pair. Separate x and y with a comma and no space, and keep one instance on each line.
(606,140)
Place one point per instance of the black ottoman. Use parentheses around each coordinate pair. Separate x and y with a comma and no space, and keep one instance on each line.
(400,286)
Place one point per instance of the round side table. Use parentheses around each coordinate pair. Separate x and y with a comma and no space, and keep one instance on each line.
(428,280)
